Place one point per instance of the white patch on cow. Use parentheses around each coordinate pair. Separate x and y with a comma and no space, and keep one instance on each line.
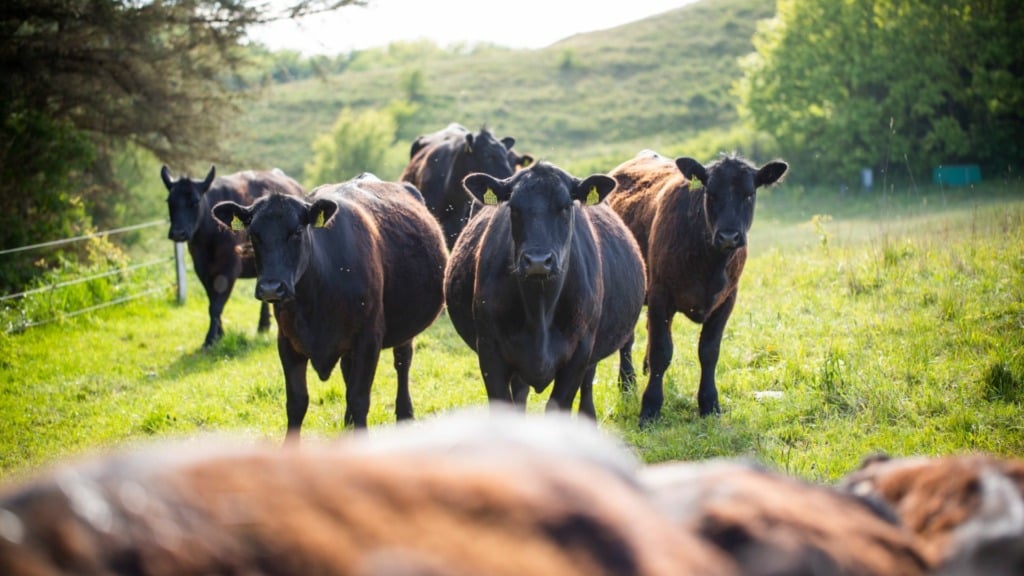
(1000,514)
(87,500)
(11,528)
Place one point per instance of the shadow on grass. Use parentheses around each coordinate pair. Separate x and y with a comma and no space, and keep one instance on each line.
(234,345)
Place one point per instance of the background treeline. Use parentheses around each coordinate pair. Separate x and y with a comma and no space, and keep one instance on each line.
(97,95)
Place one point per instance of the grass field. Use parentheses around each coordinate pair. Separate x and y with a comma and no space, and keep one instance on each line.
(876,322)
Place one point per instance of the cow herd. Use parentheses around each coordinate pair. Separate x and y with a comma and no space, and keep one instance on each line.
(543,274)
(504,493)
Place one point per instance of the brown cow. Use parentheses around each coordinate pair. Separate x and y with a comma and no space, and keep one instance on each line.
(773,524)
(456,496)
(694,241)
(968,510)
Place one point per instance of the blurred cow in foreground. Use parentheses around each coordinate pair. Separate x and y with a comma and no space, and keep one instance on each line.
(466,495)
(967,511)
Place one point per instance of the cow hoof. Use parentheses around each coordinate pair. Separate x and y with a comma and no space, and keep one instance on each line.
(713,410)
(649,417)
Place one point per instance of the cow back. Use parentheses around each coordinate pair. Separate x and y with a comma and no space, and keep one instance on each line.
(641,182)
(384,234)
(624,279)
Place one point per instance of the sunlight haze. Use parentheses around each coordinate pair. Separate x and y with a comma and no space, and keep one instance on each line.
(521,24)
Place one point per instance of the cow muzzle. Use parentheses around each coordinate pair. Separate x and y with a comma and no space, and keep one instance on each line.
(727,240)
(273,291)
(177,235)
(537,265)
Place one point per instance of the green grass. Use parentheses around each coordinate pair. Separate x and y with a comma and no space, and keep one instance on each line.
(894,324)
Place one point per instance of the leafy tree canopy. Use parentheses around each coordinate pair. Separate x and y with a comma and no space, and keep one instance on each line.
(897,86)
(82,79)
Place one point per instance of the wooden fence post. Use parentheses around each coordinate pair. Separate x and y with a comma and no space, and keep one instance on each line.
(179,266)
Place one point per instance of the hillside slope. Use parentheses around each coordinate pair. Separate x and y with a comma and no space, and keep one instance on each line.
(587,101)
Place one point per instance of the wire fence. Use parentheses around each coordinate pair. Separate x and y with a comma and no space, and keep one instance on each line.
(23,323)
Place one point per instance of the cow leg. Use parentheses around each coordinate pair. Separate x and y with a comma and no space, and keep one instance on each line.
(707,350)
(218,289)
(358,368)
(296,394)
(403,361)
(569,380)
(659,353)
(497,376)
(520,393)
(627,374)
(264,324)
(587,393)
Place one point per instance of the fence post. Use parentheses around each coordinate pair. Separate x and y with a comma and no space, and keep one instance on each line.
(179,266)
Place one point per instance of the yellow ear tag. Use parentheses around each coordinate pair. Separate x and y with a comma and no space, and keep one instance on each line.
(490,198)
(696,184)
(319,220)
(236,223)
(593,198)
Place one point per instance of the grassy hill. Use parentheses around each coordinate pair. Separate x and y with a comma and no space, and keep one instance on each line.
(585,103)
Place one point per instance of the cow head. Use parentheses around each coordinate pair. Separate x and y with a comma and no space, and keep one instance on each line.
(516,160)
(482,152)
(729,188)
(279,229)
(183,199)
(541,203)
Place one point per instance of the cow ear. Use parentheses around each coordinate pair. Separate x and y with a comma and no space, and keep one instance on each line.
(231,215)
(692,169)
(321,213)
(209,180)
(525,160)
(469,143)
(486,188)
(770,173)
(165,175)
(509,142)
(593,189)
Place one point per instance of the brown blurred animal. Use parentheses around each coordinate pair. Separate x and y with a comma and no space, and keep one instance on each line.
(694,242)
(967,510)
(449,497)
(772,524)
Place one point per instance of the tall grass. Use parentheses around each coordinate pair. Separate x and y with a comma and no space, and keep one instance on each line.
(893,324)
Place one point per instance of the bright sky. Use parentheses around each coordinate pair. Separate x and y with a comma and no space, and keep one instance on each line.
(515,23)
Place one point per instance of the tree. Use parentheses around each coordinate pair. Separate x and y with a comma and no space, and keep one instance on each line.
(81,79)
(897,86)
(356,143)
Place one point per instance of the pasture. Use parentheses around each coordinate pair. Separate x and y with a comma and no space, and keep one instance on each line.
(865,322)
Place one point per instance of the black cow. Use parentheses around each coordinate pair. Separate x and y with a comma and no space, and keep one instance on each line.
(219,257)
(543,287)
(438,163)
(694,242)
(356,268)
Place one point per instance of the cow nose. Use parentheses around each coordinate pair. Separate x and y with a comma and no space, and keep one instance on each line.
(538,264)
(177,235)
(271,291)
(729,239)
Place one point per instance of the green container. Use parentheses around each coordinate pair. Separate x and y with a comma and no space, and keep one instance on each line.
(957,175)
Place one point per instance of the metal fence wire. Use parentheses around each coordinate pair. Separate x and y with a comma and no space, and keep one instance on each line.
(51,288)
